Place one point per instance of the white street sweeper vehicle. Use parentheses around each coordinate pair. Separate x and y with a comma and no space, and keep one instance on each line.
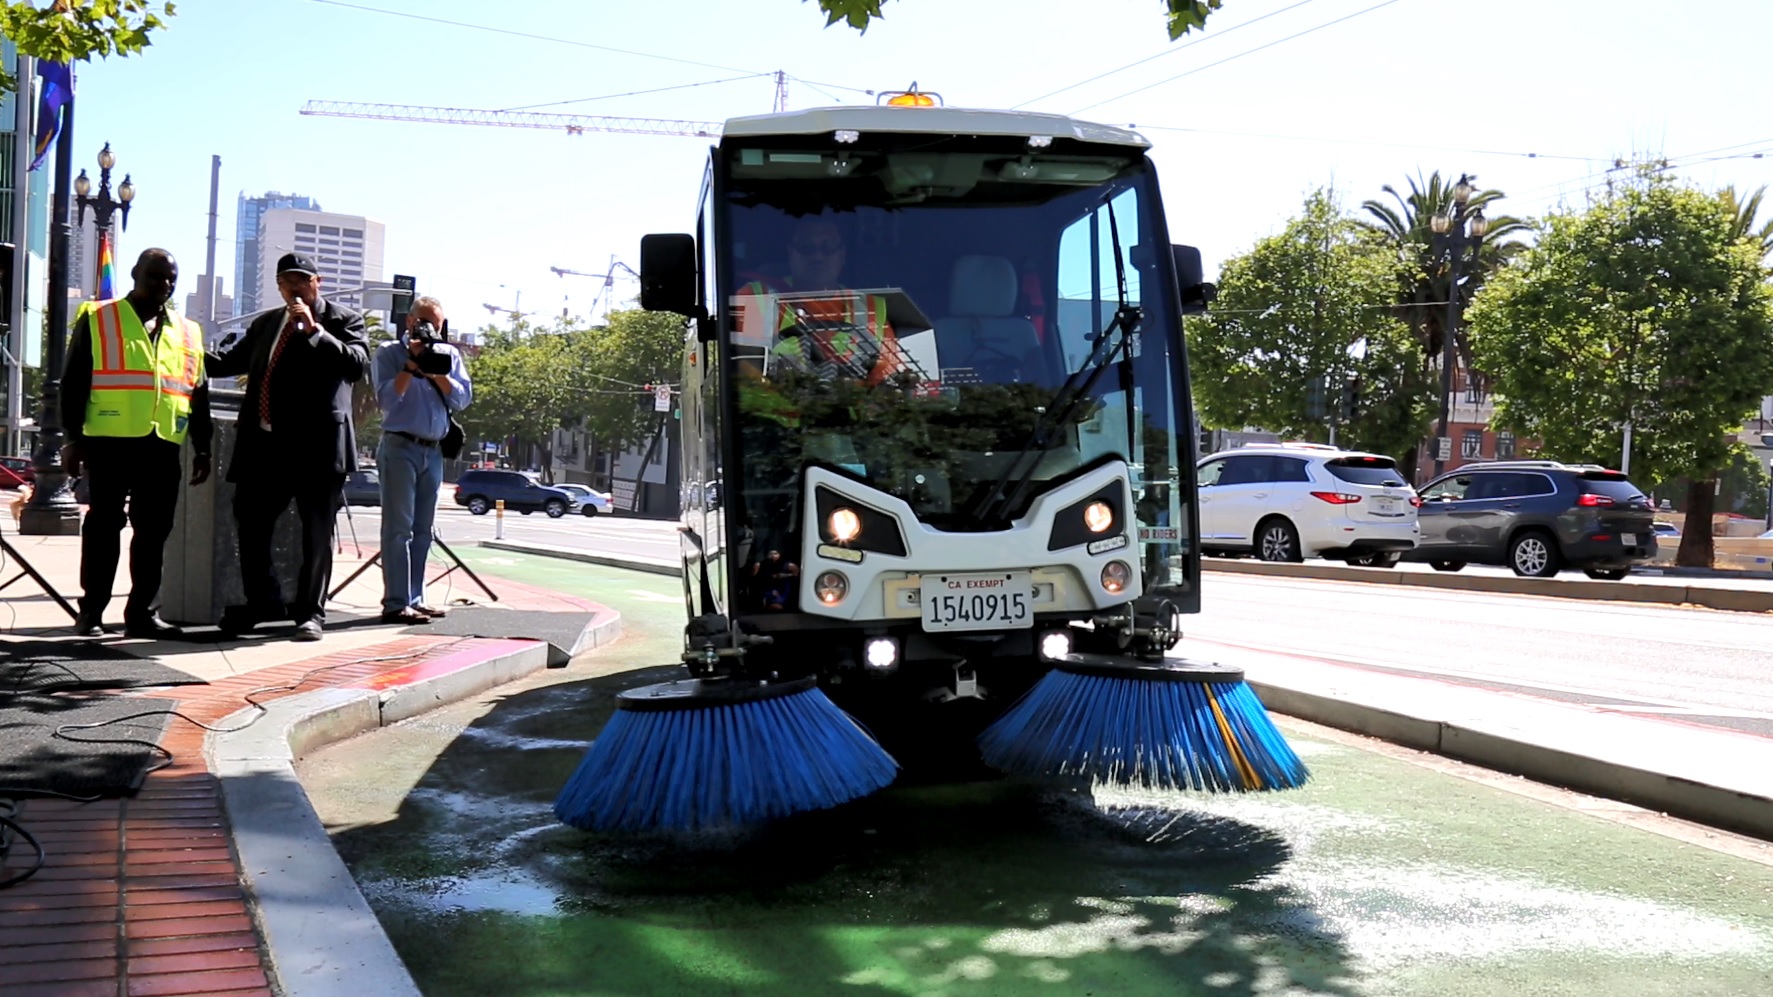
(937,433)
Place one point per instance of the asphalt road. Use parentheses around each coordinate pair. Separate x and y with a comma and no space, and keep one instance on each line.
(616,535)
(1389,873)
(1698,665)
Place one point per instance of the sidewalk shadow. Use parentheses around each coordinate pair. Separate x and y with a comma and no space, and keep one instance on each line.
(978,886)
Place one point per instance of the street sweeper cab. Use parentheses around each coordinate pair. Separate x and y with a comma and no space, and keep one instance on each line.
(939,508)
(936,423)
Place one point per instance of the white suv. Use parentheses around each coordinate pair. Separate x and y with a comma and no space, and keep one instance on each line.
(1290,501)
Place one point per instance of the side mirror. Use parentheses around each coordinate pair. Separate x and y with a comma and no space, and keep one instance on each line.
(1191,279)
(668,274)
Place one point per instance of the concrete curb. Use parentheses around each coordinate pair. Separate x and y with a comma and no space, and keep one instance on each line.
(673,568)
(1709,597)
(322,938)
(1736,810)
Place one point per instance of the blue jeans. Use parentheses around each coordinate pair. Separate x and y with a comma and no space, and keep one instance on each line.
(410,476)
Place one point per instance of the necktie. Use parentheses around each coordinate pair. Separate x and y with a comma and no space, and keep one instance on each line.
(283,339)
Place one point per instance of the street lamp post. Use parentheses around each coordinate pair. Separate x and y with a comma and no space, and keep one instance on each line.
(53,510)
(1454,236)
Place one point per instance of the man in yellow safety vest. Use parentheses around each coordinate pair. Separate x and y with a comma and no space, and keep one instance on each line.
(133,389)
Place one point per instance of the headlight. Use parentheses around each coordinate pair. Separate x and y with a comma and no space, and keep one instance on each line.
(1098,516)
(1115,575)
(845,525)
(831,587)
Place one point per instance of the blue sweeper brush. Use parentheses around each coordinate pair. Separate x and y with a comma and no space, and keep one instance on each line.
(699,754)
(1164,725)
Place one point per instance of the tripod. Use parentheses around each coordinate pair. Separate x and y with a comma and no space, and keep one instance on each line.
(377,559)
(28,569)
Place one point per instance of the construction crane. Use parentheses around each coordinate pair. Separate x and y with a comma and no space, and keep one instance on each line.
(609,282)
(572,124)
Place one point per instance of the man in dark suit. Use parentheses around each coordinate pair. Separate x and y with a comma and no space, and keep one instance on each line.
(295,441)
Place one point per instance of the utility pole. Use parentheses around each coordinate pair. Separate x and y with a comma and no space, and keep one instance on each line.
(206,298)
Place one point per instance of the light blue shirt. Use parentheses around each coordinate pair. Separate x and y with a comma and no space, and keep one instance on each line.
(421,411)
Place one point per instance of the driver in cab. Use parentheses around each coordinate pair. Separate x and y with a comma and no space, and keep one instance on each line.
(817,324)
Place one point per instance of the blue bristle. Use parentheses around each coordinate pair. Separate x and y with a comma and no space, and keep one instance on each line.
(1158,733)
(722,766)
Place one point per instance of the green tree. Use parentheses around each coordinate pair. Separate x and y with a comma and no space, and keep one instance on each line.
(616,361)
(1650,307)
(524,378)
(1299,316)
(1182,16)
(77,30)
(366,411)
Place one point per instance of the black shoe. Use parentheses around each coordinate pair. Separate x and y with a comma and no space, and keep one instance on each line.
(406,617)
(151,627)
(308,631)
(88,625)
(237,620)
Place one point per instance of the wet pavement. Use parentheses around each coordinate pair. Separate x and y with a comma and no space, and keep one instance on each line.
(1391,873)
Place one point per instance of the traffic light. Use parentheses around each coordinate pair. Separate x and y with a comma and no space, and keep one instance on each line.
(401,298)
(1315,408)
(1349,405)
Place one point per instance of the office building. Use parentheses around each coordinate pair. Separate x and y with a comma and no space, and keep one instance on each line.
(224,305)
(28,230)
(347,249)
(247,257)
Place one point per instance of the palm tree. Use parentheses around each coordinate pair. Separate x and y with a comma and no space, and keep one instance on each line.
(1423,282)
(1746,211)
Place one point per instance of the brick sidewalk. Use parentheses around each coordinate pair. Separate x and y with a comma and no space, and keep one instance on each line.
(141,896)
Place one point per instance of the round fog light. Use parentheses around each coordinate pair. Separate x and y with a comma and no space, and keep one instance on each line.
(1098,517)
(1115,575)
(831,587)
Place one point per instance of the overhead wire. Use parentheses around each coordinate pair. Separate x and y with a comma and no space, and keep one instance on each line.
(1364,142)
(1172,50)
(527,34)
(1240,55)
(636,93)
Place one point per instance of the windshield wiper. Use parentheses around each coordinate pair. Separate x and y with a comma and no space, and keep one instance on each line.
(1011,488)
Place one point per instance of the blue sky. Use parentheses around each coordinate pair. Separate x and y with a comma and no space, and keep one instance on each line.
(1370,92)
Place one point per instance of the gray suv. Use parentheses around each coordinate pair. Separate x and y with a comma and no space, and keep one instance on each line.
(480,488)
(1537,517)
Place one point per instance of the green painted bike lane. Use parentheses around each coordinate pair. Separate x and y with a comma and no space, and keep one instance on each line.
(1387,874)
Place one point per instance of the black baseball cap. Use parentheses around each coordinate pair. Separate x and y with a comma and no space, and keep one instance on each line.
(297,263)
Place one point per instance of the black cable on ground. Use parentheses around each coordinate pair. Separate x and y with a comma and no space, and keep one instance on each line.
(9,826)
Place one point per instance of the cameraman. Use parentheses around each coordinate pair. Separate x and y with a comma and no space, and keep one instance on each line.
(419,381)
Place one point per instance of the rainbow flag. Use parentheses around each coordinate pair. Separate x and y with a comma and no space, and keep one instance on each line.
(107,270)
(58,92)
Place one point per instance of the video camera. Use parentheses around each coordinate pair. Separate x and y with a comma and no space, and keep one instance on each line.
(429,360)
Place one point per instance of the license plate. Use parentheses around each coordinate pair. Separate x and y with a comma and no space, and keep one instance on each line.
(1628,539)
(1000,600)
(1385,504)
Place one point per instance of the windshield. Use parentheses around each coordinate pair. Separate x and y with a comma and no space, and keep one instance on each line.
(909,323)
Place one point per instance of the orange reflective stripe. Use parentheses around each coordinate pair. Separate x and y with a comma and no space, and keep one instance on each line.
(109,341)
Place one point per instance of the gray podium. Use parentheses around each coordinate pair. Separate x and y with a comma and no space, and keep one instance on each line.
(202,555)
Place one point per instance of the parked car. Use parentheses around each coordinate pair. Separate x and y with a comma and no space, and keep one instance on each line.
(1290,501)
(591,501)
(1537,517)
(20,467)
(479,489)
(1666,531)
(363,487)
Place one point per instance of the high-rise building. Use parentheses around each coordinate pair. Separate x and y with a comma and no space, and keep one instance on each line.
(247,256)
(224,305)
(28,230)
(347,249)
(83,255)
